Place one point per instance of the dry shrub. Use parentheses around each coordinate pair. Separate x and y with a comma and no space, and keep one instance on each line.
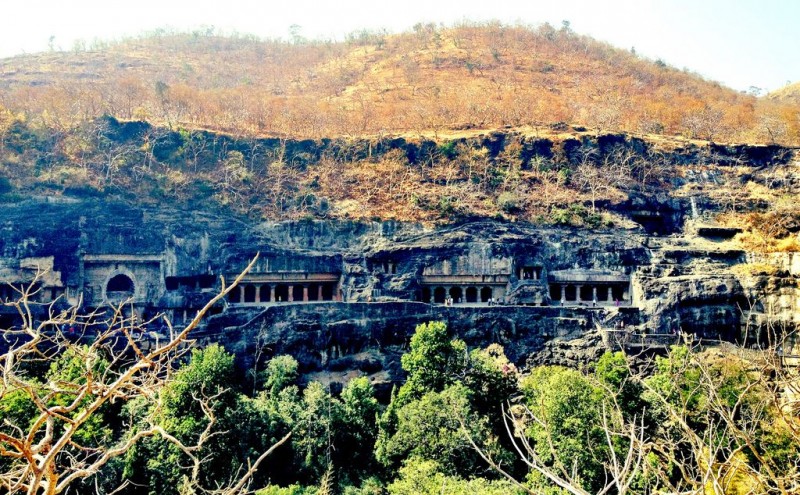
(754,269)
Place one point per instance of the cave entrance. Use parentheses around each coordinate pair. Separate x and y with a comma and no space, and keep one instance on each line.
(455,294)
(328,291)
(120,287)
(426,294)
(234,295)
(281,293)
(486,294)
(472,294)
(570,293)
(439,295)
(249,294)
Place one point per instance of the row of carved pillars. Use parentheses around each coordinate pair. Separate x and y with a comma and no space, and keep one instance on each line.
(576,293)
(458,293)
(260,293)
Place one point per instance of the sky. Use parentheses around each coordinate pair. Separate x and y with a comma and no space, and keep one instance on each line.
(739,43)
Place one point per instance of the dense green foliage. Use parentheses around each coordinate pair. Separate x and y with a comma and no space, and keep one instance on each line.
(704,422)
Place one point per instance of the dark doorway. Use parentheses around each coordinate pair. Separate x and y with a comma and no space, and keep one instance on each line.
(249,293)
(235,294)
(120,287)
(281,293)
(426,294)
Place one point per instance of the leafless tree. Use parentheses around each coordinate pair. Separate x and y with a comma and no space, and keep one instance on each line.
(603,176)
(109,362)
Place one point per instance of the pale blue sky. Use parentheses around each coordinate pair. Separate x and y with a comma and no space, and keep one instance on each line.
(740,43)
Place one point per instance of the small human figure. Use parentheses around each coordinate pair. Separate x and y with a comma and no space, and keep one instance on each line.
(616,302)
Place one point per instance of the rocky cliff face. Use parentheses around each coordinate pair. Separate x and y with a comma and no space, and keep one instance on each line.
(345,297)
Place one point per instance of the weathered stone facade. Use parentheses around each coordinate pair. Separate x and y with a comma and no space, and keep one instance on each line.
(345,297)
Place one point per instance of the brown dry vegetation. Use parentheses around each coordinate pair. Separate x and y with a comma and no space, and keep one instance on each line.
(430,80)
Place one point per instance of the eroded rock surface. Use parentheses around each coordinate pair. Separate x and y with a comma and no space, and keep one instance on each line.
(344,297)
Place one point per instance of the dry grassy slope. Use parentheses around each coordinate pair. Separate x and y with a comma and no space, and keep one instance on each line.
(432,79)
(787,94)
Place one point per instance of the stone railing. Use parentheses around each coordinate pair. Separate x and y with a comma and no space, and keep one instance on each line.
(617,340)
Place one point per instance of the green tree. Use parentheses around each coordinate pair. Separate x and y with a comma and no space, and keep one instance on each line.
(313,442)
(424,477)
(613,372)
(196,408)
(492,380)
(356,431)
(566,429)
(281,372)
(433,362)
(438,427)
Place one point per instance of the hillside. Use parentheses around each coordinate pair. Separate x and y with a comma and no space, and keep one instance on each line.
(789,94)
(430,80)
(435,126)
(379,264)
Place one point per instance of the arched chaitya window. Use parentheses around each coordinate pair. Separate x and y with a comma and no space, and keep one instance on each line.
(120,287)
(120,283)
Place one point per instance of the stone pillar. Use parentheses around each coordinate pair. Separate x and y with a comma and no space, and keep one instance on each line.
(563,293)
(272,293)
(610,297)
(305,293)
(258,293)
(290,296)
(433,291)
(241,293)
(578,293)
(594,293)
(319,292)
